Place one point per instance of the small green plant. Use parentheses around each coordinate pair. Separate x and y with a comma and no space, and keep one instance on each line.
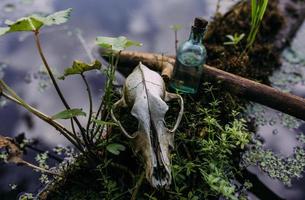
(234,39)
(258,8)
(176,28)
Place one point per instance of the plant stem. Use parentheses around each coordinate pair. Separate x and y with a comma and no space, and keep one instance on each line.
(23,162)
(73,128)
(96,117)
(37,40)
(47,119)
(90,105)
(176,40)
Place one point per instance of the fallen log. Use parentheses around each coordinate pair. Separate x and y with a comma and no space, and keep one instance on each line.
(242,87)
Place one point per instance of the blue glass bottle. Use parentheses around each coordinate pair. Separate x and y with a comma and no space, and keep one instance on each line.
(190,57)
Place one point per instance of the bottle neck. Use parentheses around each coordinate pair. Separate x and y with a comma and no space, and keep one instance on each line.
(196,35)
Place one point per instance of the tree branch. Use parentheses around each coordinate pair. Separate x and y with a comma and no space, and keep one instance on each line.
(242,87)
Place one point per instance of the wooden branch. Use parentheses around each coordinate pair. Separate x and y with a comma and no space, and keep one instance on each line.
(242,87)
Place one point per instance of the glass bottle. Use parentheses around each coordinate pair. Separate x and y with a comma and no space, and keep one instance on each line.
(190,57)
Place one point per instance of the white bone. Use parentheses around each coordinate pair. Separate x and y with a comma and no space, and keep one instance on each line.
(144,92)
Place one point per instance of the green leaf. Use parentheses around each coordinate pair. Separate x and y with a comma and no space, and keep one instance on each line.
(79,67)
(4,30)
(116,44)
(35,22)
(57,18)
(101,123)
(67,114)
(230,37)
(115,148)
(23,24)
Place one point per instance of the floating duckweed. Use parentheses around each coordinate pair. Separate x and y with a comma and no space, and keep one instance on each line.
(3,156)
(261,119)
(28,78)
(41,76)
(291,56)
(301,138)
(277,167)
(12,186)
(272,121)
(289,121)
(43,79)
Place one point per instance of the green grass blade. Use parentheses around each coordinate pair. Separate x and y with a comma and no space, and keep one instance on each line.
(263,9)
(253,9)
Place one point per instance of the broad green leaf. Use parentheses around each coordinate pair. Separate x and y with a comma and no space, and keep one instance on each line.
(115,148)
(4,30)
(67,114)
(35,22)
(8,22)
(79,67)
(23,24)
(116,44)
(101,123)
(57,18)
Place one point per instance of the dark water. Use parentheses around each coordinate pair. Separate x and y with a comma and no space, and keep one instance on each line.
(144,21)
(280,131)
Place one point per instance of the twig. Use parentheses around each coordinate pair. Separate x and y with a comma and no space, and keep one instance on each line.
(23,162)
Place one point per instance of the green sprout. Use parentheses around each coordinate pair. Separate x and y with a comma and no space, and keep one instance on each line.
(234,39)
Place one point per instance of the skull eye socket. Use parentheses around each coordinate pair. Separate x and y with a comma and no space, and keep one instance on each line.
(170,148)
(171,114)
(127,118)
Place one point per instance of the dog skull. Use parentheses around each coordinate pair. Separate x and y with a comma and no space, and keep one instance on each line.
(144,92)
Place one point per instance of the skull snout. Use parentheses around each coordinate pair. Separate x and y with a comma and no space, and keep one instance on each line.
(157,163)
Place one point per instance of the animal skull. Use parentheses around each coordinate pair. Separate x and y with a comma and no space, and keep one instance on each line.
(144,92)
